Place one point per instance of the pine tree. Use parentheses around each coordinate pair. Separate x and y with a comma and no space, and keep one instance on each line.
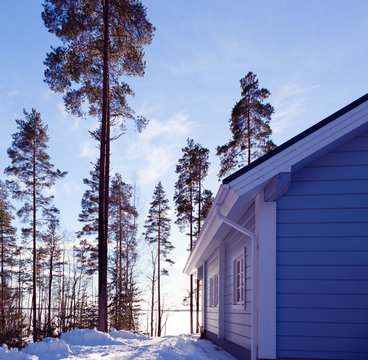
(89,203)
(102,40)
(157,232)
(33,173)
(123,230)
(249,124)
(89,216)
(21,277)
(7,253)
(52,248)
(191,200)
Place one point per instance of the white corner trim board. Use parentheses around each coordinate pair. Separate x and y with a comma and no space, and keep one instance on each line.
(265,229)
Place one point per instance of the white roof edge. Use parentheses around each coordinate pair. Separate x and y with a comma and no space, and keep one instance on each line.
(281,162)
(303,148)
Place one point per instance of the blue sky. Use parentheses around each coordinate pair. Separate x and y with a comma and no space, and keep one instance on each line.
(311,55)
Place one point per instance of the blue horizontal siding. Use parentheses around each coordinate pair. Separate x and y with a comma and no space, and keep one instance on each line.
(342,201)
(323,329)
(316,216)
(322,257)
(321,173)
(323,301)
(360,143)
(326,286)
(321,343)
(330,315)
(336,355)
(327,243)
(343,159)
(324,229)
(322,272)
(331,187)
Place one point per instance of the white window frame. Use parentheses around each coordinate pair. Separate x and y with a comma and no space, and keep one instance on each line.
(214,290)
(239,279)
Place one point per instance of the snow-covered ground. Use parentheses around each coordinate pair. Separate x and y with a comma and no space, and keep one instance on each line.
(117,345)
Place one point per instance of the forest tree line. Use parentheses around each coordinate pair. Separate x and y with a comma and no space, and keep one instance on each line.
(48,277)
(102,42)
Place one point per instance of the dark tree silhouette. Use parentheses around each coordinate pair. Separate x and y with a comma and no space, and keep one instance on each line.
(157,232)
(192,201)
(249,124)
(123,230)
(102,40)
(7,253)
(33,173)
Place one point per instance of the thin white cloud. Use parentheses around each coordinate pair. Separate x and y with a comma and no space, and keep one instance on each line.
(177,125)
(71,187)
(73,122)
(157,146)
(159,161)
(290,102)
(47,94)
(88,149)
(149,109)
(61,111)
(198,64)
(14,93)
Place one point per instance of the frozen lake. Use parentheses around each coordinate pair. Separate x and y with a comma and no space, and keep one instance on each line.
(177,321)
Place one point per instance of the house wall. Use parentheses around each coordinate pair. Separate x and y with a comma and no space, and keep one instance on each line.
(237,318)
(232,329)
(322,257)
(211,312)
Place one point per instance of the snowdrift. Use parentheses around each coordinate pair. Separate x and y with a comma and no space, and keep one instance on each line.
(116,345)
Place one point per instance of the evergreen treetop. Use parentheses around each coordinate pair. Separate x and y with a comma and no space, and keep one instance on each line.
(157,224)
(249,124)
(76,67)
(191,199)
(31,168)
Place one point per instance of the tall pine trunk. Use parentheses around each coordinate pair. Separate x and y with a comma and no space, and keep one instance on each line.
(2,283)
(199,230)
(126,291)
(20,300)
(34,306)
(159,271)
(190,249)
(49,333)
(153,300)
(120,270)
(62,304)
(248,128)
(103,182)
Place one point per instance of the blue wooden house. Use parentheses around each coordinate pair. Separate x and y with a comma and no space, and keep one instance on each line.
(283,253)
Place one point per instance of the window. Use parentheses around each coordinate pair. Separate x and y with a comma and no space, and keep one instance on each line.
(214,290)
(239,280)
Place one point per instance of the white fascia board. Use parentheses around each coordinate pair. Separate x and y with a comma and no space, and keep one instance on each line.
(283,161)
